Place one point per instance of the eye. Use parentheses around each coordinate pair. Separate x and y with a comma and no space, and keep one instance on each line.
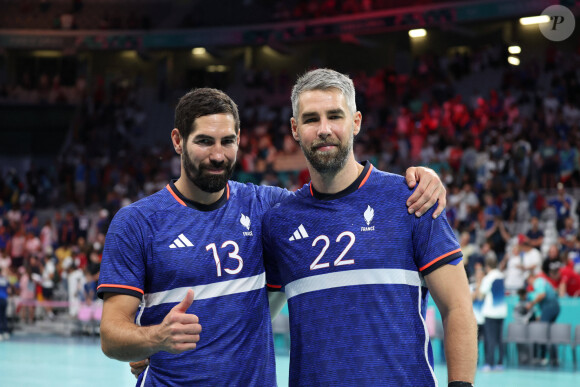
(310,120)
(204,141)
(229,141)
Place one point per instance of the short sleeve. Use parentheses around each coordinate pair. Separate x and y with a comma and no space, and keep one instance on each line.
(434,243)
(124,257)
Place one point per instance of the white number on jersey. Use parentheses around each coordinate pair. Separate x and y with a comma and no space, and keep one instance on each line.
(338,262)
(233,254)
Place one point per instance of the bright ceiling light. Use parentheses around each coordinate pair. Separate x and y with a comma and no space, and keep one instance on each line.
(417,33)
(198,51)
(526,21)
(514,49)
(513,61)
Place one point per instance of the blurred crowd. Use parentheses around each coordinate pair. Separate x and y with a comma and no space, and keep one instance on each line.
(508,156)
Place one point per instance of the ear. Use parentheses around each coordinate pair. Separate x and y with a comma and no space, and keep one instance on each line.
(357,122)
(177,141)
(294,127)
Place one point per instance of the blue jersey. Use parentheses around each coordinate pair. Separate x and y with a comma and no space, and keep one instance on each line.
(351,265)
(159,247)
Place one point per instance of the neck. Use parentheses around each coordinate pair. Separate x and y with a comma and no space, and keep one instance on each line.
(193,193)
(330,183)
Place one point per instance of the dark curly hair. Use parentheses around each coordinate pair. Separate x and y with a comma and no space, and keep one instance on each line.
(203,102)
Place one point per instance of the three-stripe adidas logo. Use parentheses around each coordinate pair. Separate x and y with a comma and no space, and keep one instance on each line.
(300,233)
(180,241)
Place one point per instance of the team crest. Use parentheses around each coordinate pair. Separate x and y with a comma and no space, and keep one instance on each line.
(245,221)
(369,214)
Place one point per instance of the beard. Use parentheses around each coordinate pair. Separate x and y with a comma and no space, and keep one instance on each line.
(203,180)
(328,162)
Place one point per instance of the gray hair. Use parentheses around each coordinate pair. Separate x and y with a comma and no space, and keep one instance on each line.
(324,79)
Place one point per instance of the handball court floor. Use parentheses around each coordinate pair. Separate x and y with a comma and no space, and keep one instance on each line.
(44,361)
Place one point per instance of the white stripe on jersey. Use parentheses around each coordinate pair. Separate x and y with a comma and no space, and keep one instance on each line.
(144,377)
(426,330)
(201,292)
(351,278)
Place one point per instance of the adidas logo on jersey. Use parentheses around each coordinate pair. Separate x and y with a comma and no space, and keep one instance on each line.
(181,241)
(300,233)
(245,221)
(369,214)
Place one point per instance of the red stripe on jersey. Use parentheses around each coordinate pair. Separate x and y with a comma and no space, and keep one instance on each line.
(274,286)
(311,193)
(228,189)
(175,196)
(120,286)
(438,259)
(366,177)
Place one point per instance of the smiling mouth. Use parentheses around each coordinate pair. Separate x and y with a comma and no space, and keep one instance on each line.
(324,147)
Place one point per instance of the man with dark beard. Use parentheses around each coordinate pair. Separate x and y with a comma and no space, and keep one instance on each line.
(200,235)
(355,266)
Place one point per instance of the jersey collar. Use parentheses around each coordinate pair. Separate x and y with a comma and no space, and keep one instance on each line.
(358,183)
(198,206)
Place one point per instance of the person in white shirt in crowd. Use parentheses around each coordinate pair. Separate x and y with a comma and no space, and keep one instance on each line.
(477,302)
(494,310)
(524,261)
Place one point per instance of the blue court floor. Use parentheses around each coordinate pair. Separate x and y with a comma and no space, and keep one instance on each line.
(45,361)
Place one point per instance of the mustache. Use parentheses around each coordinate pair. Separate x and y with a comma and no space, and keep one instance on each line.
(322,143)
(215,165)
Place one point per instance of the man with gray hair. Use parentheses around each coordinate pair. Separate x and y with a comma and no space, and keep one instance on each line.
(355,266)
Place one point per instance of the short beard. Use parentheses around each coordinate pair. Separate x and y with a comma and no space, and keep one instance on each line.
(330,163)
(204,181)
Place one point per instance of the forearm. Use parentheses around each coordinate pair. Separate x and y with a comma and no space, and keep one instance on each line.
(460,345)
(125,341)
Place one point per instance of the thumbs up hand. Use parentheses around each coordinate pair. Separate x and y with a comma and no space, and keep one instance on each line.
(179,331)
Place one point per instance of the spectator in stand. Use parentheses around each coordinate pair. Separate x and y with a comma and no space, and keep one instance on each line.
(4,291)
(553,260)
(569,161)
(545,298)
(467,207)
(477,302)
(522,262)
(535,236)
(4,236)
(49,277)
(493,225)
(47,235)
(548,153)
(14,217)
(567,237)
(5,261)
(27,289)
(570,278)
(522,315)
(562,203)
(16,248)
(492,291)
(32,246)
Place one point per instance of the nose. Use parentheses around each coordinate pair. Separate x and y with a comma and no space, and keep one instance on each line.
(324,129)
(217,153)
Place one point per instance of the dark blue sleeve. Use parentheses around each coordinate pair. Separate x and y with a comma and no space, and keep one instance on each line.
(434,243)
(273,278)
